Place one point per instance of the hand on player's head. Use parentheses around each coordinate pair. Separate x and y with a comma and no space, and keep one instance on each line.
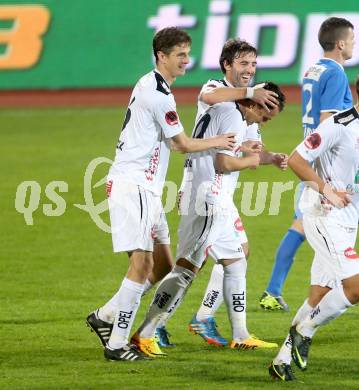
(265,98)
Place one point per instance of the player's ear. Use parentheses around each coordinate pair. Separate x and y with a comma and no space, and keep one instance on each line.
(227,65)
(162,57)
(340,44)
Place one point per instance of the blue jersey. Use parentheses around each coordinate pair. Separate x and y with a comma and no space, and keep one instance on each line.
(325,89)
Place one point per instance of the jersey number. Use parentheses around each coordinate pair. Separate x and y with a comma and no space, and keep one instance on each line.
(307,119)
(128,115)
(201,126)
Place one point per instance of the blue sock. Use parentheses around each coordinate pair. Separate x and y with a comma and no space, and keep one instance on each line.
(283,261)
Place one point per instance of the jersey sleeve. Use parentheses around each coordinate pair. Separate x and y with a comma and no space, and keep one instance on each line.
(209,86)
(253,133)
(324,138)
(166,115)
(333,91)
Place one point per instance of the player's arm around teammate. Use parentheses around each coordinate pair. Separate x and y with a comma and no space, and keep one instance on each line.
(135,184)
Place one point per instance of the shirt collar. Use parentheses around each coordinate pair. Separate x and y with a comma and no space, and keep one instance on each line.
(330,59)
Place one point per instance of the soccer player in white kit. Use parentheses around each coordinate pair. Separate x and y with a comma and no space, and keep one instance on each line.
(330,223)
(209,220)
(135,182)
(238,61)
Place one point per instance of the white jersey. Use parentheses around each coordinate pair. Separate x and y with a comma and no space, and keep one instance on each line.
(200,177)
(334,149)
(143,149)
(252,134)
(246,133)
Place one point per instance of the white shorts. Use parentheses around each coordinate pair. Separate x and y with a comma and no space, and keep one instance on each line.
(137,217)
(335,258)
(218,233)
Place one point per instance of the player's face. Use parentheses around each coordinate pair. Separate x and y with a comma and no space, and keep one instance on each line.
(348,44)
(258,114)
(243,68)
(177,60)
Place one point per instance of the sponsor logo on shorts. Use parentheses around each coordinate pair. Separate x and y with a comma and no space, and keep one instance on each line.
(238,302)
(171,118)
(153,164)
(211,298)
(109,188)
(238,225)
(217,184)
(350,253)
(313,141)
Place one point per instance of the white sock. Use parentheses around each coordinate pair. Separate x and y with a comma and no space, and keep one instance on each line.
(147,287)
(331,306)
(108,311)
(213,296)
(234,291)
(168,296)
(128,302)
(284,354)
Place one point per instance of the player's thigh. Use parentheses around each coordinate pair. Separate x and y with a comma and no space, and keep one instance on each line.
(162,261)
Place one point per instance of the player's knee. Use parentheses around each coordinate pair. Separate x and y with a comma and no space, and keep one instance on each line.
(234,268)
(142,263)
(188,265)
(297,225)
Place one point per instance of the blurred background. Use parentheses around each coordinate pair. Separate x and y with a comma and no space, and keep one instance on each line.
(66,71)
(104,46)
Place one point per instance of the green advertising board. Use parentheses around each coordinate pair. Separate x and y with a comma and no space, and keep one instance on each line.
(88,43)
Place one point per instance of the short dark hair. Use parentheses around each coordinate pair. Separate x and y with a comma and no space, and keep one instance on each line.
(167,38)
(233,49)
(357,86)
(280,95)
(331,31)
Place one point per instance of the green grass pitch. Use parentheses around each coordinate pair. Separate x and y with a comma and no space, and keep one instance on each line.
(58,270)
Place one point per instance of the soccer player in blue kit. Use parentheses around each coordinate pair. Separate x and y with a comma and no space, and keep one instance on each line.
(325,91)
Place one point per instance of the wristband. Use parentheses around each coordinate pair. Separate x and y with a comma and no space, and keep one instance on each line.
(250,92)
